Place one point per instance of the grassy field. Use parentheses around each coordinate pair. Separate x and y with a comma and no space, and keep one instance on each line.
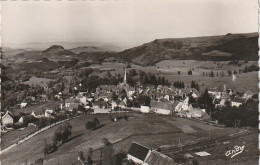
(150,130)
(33,81)
(169,69)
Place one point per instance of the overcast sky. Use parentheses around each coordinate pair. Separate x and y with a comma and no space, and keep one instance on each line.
(124,21)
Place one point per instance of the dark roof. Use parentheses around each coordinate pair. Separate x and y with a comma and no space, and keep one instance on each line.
(138,151)
(72,100)
(100,103)
(161,105)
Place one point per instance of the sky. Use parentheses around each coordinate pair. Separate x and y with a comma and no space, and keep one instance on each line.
(129,22)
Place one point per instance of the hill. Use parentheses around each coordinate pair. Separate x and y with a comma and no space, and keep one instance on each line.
(225,47)
(56,52)
(91,49)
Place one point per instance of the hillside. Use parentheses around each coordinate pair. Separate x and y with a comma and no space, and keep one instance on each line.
(225,47)
(10,52)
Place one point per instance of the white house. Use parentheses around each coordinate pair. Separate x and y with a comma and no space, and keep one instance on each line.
(8,118)
(23,104)
(182,106)
(48,113)
(237,101)
(37,114)
(145,109)
(21,120)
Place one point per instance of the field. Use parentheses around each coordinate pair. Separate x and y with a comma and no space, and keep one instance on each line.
(169,69)
(33,81)
(151,130)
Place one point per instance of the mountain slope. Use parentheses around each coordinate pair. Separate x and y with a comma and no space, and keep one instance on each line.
(228,47)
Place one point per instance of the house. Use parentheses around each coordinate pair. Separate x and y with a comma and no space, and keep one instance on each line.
(69,101)
(23,104)
(194,111)
(37,114)
(145,109)
(49,113)
(137,153)
(115,104)
(237,101)
(165,108)
(182,106)
(130,92)
(8,118)
(21,120)
(74,106)
(145,156)
(101,110)
(100,104)
(122,104)
(247,95)
(157,158)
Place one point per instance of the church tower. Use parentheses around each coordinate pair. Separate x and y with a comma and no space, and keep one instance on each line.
(124,78)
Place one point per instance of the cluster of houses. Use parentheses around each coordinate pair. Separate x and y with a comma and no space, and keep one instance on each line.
(166,100)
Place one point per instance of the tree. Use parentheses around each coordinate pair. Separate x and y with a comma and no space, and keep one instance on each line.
(96,121)
(189,72)
(179,72)
(206,100)
(114,96)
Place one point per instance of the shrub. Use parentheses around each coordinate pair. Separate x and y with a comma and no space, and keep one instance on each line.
(90,125)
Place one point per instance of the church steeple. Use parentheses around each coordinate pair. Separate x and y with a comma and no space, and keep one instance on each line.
(124,78)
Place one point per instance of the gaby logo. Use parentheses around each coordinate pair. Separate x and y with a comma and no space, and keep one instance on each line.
(237,150)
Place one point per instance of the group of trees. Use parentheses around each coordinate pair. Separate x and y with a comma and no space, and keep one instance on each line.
(251,68)
(179,84)
(61,135)
(140,100)
(245,115)
(151,79)
(195,85)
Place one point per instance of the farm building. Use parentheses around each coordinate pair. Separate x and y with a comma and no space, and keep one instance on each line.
(8,118)
(165,108)
(137,153)
(145,156)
